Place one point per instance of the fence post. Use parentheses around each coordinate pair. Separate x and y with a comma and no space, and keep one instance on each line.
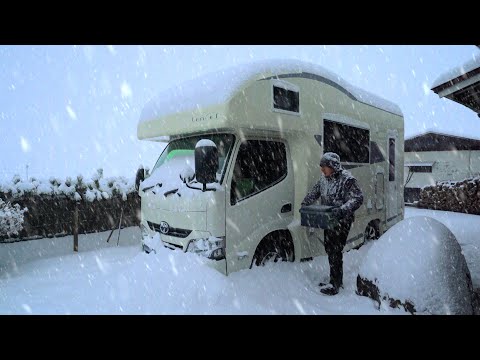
(75,228)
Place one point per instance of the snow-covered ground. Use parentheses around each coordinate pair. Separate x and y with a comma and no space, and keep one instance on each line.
(46,277)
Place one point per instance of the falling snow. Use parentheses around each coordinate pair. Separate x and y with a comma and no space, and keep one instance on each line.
(45,84)
(126,90)
(111,49)
(24,144)
(71,113)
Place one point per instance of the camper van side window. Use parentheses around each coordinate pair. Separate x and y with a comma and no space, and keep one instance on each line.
(259,165)
(286,99)
(351,143)
(391,156)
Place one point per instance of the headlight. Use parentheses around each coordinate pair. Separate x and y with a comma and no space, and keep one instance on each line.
(211,247)
(150,240)
(145,230)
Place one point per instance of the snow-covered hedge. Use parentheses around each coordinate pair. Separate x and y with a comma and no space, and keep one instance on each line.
(51,204)
(97,188)
(11,218)
(418,264)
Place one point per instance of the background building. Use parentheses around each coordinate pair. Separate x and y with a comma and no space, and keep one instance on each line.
(434,157)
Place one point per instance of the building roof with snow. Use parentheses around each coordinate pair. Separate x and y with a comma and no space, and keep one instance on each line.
(461,84)
(433,141)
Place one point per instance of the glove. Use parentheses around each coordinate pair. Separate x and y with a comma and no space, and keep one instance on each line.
(337,213)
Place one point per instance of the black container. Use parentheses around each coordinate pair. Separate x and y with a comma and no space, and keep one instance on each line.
(318,216)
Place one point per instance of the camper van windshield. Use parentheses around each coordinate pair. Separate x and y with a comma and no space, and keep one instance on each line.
(182,151)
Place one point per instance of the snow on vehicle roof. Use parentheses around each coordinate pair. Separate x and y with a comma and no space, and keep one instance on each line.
(219,86)
(457,71)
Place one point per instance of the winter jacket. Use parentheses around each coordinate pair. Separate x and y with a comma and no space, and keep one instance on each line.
(339,189)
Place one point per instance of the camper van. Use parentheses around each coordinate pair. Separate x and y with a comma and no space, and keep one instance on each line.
(242,148)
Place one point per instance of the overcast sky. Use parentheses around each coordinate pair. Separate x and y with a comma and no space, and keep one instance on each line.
(69,110)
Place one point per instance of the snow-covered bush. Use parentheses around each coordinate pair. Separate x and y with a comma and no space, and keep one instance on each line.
(11,218)
(418,264)
(97,176)
(50,204)
(78,188)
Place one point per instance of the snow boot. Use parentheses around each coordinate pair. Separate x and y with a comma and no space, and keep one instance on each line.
(329,290)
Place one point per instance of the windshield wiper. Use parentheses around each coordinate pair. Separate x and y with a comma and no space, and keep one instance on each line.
(171,192)
(204,187)
(151,187)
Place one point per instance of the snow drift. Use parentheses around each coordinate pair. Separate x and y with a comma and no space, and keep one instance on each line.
(419,264)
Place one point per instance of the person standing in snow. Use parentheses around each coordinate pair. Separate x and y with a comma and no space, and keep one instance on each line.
(340,189)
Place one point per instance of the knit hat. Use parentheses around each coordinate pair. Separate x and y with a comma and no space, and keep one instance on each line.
(331,160)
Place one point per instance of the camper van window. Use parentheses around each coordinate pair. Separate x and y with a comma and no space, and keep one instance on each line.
(286,99)
(183,151)
(259,165)
(351,143)
(391,157)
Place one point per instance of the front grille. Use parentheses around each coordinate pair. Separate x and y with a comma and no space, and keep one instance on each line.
(172,246)
(176,232)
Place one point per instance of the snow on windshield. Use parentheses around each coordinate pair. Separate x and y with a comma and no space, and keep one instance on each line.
(169,176)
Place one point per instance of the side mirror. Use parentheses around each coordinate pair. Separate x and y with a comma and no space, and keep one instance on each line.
(206,162)
(139,178)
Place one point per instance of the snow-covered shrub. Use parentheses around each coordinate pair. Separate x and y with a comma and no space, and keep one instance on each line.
(96,177)
(81,188)
(78,188)
(11,218)
(54,181)
(418,264)
(16,179)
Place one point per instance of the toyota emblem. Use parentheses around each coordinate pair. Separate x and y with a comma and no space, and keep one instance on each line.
(164,227)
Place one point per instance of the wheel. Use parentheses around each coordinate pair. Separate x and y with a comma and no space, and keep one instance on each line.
(272,256)
(273,248)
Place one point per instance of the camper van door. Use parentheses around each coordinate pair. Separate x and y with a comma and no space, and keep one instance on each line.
(260,199)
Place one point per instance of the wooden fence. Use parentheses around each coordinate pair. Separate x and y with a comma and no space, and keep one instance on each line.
(53,216)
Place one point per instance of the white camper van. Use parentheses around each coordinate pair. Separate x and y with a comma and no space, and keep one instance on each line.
(243,149)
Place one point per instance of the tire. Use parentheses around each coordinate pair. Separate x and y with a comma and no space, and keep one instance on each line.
(274,247)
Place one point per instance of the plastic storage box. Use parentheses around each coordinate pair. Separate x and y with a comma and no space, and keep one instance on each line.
(318,216)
